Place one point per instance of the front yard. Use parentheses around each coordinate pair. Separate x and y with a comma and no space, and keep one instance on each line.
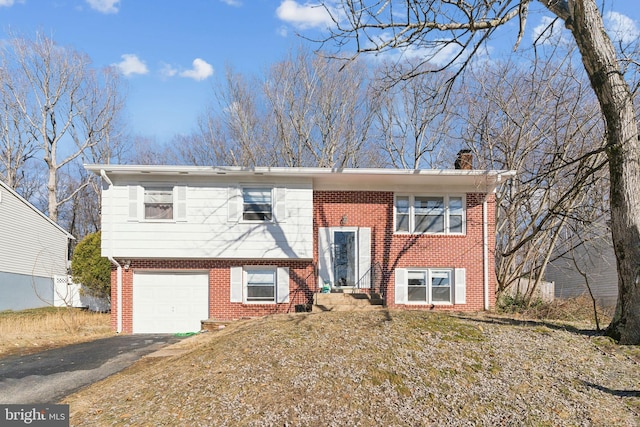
(29,331)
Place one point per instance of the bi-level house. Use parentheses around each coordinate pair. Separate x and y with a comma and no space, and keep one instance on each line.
(194,243)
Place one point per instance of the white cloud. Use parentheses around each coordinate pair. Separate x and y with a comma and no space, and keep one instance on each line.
(131,64)
(168,71)
(200,71)
(236,3)
(104,6)
(549,31)
(6,3)
(303,16)
(621,27)
(282,31)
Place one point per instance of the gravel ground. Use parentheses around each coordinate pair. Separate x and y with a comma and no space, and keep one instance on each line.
(383,368)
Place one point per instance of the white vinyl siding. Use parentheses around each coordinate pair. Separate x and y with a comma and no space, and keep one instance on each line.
(430,286)
(212,226)
(30,244)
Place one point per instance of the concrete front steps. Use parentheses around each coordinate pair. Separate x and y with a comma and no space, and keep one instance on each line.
(343,301)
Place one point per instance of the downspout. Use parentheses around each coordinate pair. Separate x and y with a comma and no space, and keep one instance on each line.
(104,176)
(485,251)
(485,242)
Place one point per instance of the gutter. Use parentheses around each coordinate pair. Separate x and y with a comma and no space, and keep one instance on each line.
(104,176)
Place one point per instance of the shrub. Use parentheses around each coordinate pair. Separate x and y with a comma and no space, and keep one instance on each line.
(90,269)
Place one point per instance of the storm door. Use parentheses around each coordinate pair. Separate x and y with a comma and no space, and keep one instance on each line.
(344,258)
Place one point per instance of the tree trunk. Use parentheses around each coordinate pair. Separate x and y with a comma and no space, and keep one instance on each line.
(623,152)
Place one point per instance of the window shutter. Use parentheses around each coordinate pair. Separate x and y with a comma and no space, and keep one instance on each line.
(133,203)
(282,292)
(401,285)
(460,286)
(234,203)
(180,203)
(364,257)
(280,208)
(325,256)
(236,284)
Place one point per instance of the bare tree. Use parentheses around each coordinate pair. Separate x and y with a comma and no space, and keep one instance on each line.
(64,105)
(430,26)
(504,115)
(412,119)
(17,147)
(322,112)
(306,112)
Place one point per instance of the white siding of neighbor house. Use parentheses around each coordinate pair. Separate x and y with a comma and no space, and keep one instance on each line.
(30,244)
(207,230)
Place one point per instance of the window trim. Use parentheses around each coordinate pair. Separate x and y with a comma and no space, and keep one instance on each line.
(412,215)
(245,285)
(272,204)
(429,276)
(158,187)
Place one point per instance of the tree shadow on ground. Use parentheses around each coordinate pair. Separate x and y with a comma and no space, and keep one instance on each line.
(558,326)
(618,393)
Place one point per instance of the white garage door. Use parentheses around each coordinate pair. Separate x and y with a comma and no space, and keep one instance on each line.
(169,302)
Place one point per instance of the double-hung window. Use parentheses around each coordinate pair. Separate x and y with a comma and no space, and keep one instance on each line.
(429,214)
(430,286)
(257,204)
(158,203)
(261,285)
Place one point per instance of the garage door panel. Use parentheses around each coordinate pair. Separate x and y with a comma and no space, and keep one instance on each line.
(169,302)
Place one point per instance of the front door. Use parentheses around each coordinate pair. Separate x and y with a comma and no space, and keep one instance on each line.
(344,258)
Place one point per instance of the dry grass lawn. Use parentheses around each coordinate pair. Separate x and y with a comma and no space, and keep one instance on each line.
(29,331)
(391,368)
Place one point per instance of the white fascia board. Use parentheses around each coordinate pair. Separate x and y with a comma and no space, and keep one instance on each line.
(325,178)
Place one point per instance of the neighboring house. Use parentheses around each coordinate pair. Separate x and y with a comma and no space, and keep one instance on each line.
(33,253)
(595,265)
(196,243)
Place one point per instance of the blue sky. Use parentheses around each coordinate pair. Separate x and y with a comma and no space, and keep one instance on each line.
(171,52)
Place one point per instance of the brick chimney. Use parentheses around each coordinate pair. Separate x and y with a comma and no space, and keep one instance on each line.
(464,160)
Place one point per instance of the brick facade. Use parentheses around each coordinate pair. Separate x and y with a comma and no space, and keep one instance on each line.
(372,209)
(220,308)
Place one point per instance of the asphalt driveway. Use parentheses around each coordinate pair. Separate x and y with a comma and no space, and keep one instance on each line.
(49,376)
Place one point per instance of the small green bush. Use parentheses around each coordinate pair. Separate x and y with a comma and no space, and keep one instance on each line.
(90,269)
(517,303)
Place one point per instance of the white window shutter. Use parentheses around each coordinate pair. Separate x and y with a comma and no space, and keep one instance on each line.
(234,204)
(280,208)
(236,284)
(460,286)
(325,256)
(282,292)
(401,285)
(133,203)
(364,256)
(180,203)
